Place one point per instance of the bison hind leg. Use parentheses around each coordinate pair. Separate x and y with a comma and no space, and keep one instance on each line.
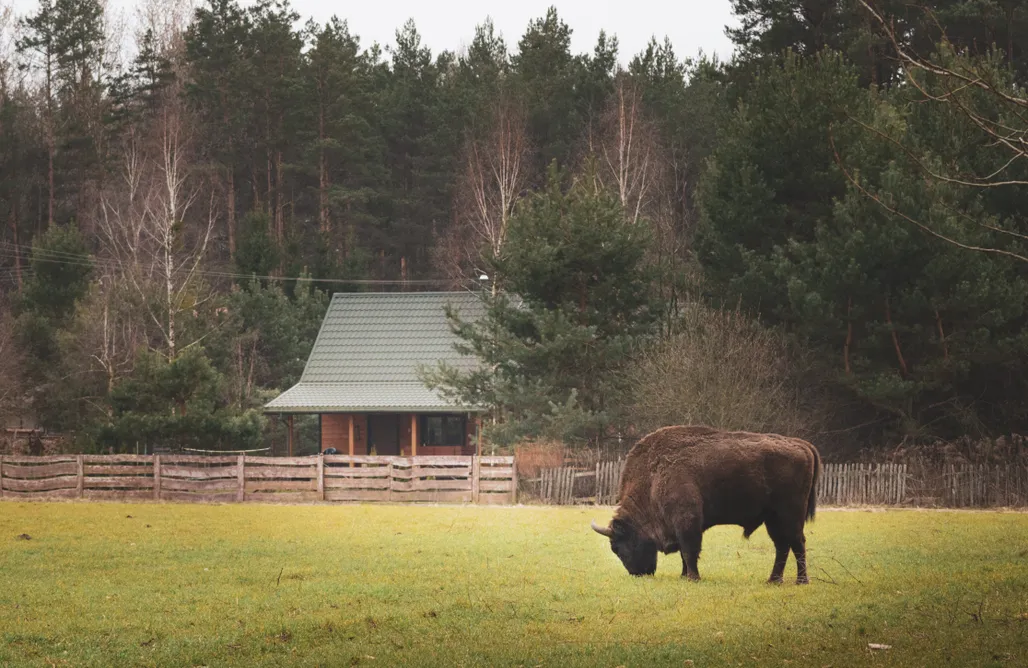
(748,529)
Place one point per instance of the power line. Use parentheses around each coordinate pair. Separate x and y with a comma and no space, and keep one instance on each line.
(74,259)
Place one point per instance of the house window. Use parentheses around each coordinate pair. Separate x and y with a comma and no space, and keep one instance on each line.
(443,429)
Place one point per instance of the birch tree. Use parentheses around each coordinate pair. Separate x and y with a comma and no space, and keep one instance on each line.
(494,175)
(158,222)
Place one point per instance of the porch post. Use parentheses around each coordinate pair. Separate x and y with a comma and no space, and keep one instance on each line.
(478,433)
(350,425)
(414,434)
(289,440)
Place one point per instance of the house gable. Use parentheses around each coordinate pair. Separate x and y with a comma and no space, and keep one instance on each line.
(366,355)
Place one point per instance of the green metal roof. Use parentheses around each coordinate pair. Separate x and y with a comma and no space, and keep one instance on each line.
(367,352)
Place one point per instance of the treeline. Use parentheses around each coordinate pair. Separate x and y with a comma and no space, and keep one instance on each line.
(821,236)
(157,212)
(317,150)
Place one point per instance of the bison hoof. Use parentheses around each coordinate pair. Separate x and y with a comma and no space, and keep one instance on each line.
(803,580)
(774,580)
(691,577)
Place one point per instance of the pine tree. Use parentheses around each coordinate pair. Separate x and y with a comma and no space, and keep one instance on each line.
(420,146)
(216,43)
(577,301)
(547,73)
(344,150)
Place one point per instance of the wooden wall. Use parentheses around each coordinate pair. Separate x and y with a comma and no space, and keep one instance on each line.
(335,433)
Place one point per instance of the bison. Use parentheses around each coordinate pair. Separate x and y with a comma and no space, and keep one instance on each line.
(679,481)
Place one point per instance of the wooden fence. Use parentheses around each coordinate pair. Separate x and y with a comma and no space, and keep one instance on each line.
(568,485)
(983,486)
(948,485)
(862,484)
(450,479)
(239,478)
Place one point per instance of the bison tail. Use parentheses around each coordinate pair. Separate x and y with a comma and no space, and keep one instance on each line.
(812,499)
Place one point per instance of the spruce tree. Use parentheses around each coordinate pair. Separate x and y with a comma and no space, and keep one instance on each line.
(576,302)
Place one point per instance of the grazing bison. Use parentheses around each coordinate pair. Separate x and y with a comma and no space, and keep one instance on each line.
(680,481)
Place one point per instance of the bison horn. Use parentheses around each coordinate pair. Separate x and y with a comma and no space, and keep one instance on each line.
(603,531)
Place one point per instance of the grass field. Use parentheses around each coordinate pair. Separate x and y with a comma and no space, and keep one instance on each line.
(243,585)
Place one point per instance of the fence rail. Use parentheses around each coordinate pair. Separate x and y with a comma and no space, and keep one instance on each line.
(241,478)
(453,479)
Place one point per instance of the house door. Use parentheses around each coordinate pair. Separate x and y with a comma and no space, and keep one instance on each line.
(384,434)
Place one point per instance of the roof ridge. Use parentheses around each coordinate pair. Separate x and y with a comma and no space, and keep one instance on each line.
(463,293)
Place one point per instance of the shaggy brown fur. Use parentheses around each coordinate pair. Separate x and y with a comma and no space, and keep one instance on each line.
(680,481)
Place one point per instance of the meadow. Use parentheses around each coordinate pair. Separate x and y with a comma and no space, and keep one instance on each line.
(97,584)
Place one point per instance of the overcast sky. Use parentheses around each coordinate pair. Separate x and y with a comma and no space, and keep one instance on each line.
(692,25)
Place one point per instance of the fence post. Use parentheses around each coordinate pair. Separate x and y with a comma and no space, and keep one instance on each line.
(389,476)
(241,479)
(321,477)
(157,477)
(80,475)
(476,471)
(513,480)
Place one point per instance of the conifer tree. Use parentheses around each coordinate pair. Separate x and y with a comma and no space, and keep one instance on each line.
(576,302)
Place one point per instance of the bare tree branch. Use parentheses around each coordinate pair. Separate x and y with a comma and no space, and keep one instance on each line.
(896,212)
(912,60)
(975,182)
(145,222)
(628,146)
(493,178)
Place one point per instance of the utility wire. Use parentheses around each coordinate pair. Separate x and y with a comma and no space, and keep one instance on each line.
(29,254)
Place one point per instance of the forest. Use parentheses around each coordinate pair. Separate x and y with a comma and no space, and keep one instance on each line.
(823,235)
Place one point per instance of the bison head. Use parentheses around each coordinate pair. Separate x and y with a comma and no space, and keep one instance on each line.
(638,554)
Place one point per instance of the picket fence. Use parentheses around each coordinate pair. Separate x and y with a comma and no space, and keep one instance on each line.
(861,484)
(854,484)
(567,485)
(242,478)
(981,486)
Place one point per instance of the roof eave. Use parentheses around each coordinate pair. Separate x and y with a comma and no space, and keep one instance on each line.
(317,410)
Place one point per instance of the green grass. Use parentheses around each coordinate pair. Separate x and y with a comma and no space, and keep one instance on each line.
(193,585)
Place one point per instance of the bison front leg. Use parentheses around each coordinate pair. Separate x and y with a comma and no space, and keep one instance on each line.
(778,570)
(690,544)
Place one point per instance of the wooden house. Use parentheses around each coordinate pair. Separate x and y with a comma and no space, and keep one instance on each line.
(361,376)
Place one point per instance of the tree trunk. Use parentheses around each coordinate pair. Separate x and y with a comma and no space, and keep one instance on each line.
(14,236)
(231,195)
(231,204)
(849,336)
(351,233)
(942,336)
(895,339)
(50,180)
(322,170)
(280,208)
(170,299)
(51,148)
(269,189)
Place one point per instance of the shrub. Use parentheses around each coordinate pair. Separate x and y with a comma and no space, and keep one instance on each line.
(722,369)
